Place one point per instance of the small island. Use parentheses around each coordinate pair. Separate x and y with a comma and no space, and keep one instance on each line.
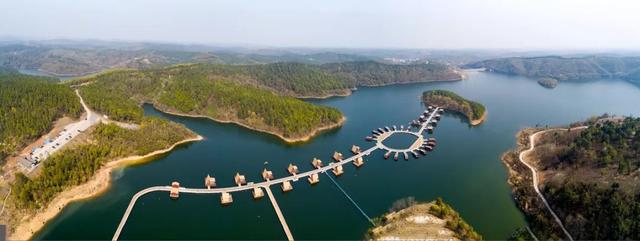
(474,111)
(548,82)
(410,220)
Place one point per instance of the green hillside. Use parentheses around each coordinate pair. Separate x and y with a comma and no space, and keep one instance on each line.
(28,107)
(244,94)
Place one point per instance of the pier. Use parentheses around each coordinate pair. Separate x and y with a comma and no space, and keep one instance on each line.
(286,182)
(283,222)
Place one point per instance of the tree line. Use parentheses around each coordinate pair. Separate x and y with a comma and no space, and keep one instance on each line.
(28,107)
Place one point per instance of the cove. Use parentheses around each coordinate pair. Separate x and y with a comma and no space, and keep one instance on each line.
(464,169)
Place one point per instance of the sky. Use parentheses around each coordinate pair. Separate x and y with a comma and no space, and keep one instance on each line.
(441,24)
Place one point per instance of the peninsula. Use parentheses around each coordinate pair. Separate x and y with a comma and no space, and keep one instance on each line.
(474,111)
(579,182)
(410,220)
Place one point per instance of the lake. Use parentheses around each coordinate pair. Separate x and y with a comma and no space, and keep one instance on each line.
(465,168)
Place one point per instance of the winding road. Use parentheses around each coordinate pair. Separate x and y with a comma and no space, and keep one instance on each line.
(534,174)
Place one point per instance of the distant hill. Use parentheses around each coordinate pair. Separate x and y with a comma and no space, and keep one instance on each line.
(371,73)
(68,60)
(561,68)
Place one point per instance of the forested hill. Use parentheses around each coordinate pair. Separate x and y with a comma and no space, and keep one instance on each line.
(28,107)
(590,178)
(248,95)
(582,68)
(371,73)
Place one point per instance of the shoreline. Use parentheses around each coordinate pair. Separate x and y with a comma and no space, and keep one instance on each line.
(479,121)
(305,138)
(99,183)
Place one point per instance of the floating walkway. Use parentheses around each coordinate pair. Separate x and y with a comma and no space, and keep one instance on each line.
(425,120)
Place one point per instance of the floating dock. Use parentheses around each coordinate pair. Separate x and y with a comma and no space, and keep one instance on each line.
(209,182)
(257,193)
(267,175)
(175,190)
(292,169)
(337,156)
(355,149)
(316,163)
(358,162)
(240,179)
(314,178)
(338,170)
(286,186)
(226,198)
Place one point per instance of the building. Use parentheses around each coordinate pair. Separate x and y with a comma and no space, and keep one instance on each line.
(314,178)
(226,198)
(257,193)
(175,190)
(240,179)
(209,182)
(292,169)
(316,163)
(358,162)
(355,149)
(337,156)
(286,186)
(267,175)
(338,170)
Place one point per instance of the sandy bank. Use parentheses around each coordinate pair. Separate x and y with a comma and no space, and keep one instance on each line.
(99,183)
(479,121)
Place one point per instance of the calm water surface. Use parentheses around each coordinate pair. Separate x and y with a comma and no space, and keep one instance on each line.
(465,169)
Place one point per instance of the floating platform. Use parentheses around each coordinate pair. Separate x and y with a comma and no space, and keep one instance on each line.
(292,169)
(175,190)
(257,193)
(358,162)
(226,198)
(209,182)
(240,179)
(267,175)
(316,163)
(337,156)
(355,149)
(286,186)
(314,178)
(338,170)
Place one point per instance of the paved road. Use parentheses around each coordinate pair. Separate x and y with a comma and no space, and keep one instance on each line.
(70,131)
(532,139)
(264,184)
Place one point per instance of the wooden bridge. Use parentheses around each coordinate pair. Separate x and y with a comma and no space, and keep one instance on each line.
(267,184)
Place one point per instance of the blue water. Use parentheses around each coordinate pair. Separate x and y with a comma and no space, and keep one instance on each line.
(465,169)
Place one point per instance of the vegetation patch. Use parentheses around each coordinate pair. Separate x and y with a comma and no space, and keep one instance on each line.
(73,166)
(410,220)
(589,178)
(28,107)
(448,100)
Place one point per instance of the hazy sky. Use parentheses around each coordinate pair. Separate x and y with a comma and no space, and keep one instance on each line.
(554,24)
